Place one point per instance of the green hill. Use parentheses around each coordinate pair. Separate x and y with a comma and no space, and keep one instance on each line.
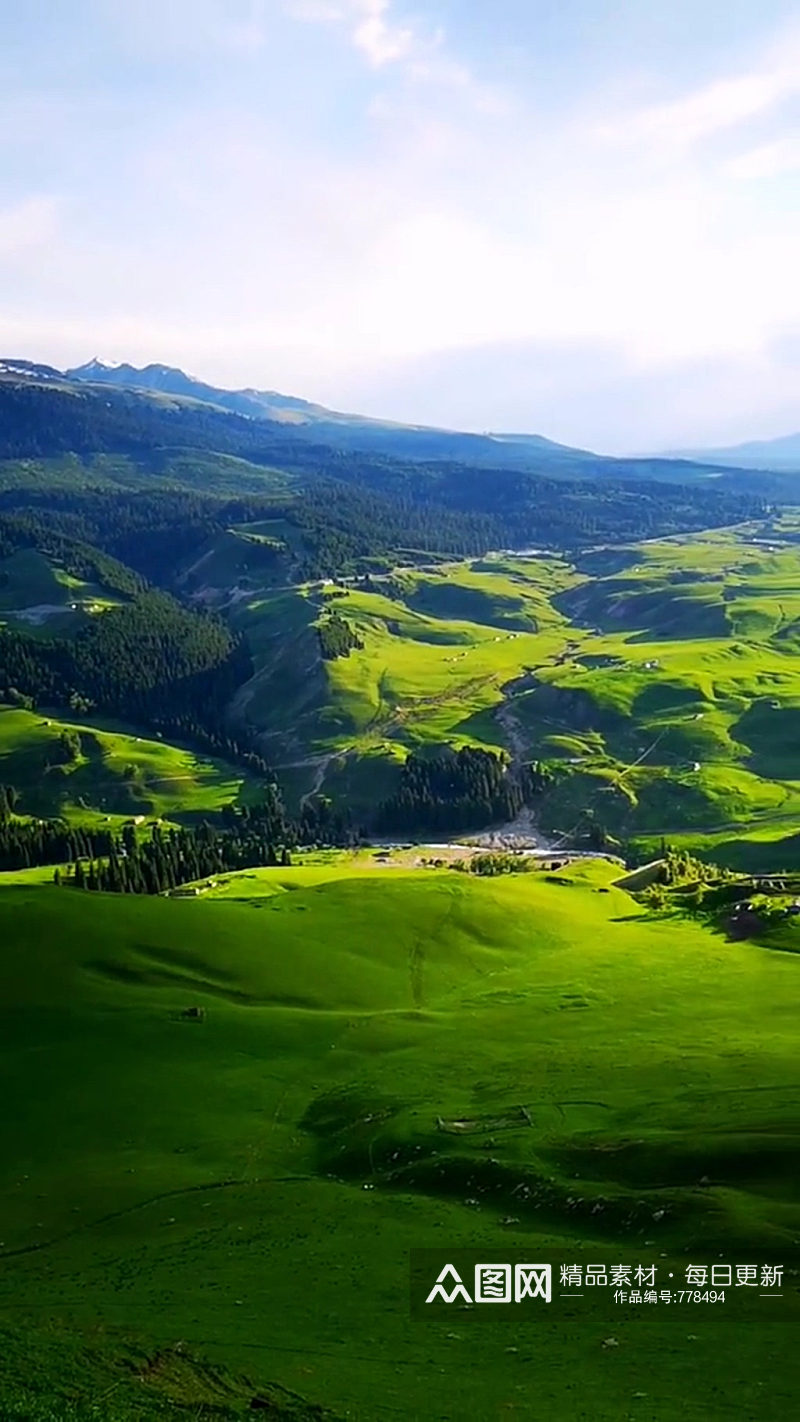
(245,1184)
(114,772)
(656,683)
(663,701)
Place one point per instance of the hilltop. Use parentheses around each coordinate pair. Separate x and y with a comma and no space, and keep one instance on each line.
(349,431)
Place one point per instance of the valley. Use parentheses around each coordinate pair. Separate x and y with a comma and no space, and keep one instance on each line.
(658,682)
(654,684)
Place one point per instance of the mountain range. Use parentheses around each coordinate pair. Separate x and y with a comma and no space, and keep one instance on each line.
(305,419)
(299,423)
(417,441)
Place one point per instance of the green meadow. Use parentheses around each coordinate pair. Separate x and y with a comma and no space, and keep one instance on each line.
(660,682)
(116,773)
(227,1138)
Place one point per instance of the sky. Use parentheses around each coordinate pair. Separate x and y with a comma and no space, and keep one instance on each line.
(579,218)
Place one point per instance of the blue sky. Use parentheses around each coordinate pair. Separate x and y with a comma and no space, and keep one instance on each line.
(576,217)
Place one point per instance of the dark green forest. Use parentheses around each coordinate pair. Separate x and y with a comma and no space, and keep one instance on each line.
(456,791)
(348,505)
(337,637)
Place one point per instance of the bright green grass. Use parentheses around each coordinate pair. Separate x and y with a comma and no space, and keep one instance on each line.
(41,874)
(118,772)
(435,658)
(203,1181)
(663,679)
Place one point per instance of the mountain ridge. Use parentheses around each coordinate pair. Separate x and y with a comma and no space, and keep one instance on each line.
(306,415)
(288,431)
(780,455)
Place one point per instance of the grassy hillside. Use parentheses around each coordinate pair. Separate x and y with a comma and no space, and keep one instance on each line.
(439,644)
(660,682)
(35,592)
(116,772)
(248,1184)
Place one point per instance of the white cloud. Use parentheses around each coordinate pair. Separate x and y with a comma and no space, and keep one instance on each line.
(723,103)
(380,38)
(718,106)
(238,231)
(768,160)
(27,226)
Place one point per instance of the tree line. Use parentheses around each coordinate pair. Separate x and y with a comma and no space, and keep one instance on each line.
(338,527)
(170,858)
(151,660)
(128,861)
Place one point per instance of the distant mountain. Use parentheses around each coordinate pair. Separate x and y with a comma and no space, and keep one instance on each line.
(104,407)
(12,369)
(255,404)
(781,456)
(340,430)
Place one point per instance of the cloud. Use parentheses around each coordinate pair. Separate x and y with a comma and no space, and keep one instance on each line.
(383,39)
(587,393)
(345,215)
(718,106)
(27,226)
(768,160)
(379,38)
(723,103)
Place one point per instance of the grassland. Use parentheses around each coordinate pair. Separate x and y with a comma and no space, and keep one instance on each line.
(661,682)
(246,1187)
(117,772)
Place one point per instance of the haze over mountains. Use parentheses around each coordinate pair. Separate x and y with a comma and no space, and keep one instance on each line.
(781,455)
(302,423)
(333,426)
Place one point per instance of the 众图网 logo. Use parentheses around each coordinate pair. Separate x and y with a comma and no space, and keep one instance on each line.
(494,1283)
